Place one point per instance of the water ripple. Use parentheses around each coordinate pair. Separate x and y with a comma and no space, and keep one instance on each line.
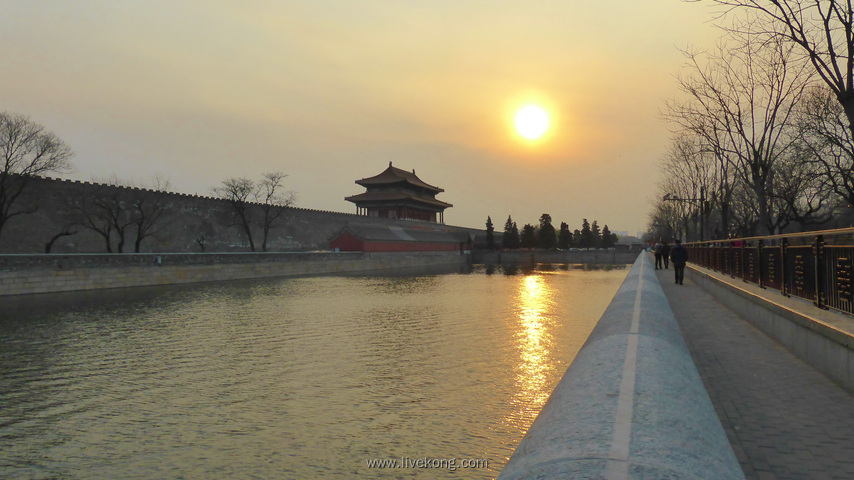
(300,378)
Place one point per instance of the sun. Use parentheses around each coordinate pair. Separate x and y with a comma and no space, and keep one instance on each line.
(532,122)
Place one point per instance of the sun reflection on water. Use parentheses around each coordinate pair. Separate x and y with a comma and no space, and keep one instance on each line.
(534,339)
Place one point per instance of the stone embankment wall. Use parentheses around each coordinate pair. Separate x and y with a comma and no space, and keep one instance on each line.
(615,256)
(28,274)
(631,404)
(187,223)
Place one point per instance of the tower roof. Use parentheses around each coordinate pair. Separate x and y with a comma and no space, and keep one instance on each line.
(395,198)
(392,175)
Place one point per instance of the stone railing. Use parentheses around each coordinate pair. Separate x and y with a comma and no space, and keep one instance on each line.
(631,404)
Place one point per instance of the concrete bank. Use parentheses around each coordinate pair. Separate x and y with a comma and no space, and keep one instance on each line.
(27,274)
(614,256)
(631,404)
(824,339)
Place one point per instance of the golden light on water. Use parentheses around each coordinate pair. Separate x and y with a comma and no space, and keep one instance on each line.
(533,342)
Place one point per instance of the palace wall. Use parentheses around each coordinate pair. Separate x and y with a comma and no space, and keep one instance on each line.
(190,223)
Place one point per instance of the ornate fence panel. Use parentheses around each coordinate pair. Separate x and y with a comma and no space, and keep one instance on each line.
(771,273)
(751,264)
(816,266)
(800,269)
(839,277)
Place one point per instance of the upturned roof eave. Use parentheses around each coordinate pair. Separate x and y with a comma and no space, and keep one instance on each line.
(368,197)
(393,175)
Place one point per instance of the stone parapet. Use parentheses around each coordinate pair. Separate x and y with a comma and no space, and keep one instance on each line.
(631,404)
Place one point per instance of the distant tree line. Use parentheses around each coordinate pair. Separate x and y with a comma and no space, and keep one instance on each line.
(545,236)
(764,128)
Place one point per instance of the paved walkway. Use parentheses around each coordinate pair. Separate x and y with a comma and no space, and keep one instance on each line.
(784,419)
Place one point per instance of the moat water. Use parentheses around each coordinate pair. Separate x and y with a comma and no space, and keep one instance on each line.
(434,376)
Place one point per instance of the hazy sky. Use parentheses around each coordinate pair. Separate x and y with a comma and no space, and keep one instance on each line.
(331,91)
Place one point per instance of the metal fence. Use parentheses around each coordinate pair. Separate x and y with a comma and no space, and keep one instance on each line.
(815,266)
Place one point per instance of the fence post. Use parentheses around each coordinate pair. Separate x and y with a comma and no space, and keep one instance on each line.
(759,246)
(784,285)
(818,257)
(715,257)
(707,254)
(731,257)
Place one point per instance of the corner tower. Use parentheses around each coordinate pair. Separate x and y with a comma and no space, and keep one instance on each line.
(399,194)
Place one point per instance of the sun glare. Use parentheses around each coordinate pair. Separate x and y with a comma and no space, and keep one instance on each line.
(532,122)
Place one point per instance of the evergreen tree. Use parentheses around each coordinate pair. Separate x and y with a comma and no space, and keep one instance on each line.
(564,239)
(529,236)
(515,241)
(490,234)
(507,239)
(608,239)
(546,237)
(586,235)
(576,238)
(595,235)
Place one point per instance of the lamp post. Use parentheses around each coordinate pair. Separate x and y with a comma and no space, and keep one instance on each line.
(670,197)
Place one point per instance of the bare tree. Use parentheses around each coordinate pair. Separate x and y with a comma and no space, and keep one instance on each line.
(691,173)
(245,195)
(26,150)
(106,212)
(822,30)
(825,133)
(66,231)
(239,192)
(665,219)
(273,202)
(696,170)
(119,211)
(745,213)
(740,103)
(805,198)
(701,168)
(149,211)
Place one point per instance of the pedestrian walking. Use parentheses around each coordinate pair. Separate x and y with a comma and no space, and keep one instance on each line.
(657,250)
(665,254)
(679,255)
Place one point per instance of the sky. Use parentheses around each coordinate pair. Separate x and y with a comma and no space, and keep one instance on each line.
(331,91)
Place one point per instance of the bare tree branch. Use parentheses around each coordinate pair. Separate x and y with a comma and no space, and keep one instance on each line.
(822,30)
(268,195)
(238,192)
(740,102)
(824,131)
(26,150)
(273,202)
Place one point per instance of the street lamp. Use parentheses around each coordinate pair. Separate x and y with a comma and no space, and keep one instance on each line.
(671,197)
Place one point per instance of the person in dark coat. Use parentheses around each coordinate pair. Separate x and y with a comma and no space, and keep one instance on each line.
(679,256)
(665,254)
(657,250)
